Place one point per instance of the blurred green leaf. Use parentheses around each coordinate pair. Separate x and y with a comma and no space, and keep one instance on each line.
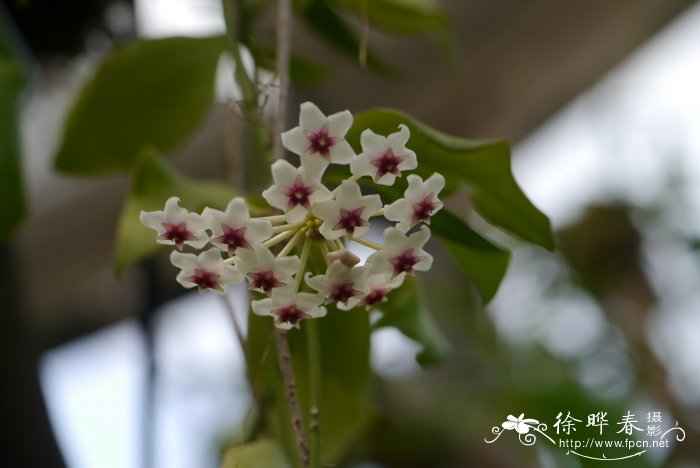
(303,72)
(344,345)
(483,261)
(261,453)
(336,31)
(12,203)
(400,16)
(407,313)
(483,166)
(153,182)
(151,92)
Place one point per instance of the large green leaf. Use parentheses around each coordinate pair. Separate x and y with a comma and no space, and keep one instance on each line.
(400,16)
(483,166)
(152,92)
(152,183)
(261,453)
(12,203)
(344,354)
(483,261)
(406,312)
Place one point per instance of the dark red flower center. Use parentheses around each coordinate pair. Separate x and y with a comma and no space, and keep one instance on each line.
(404,263)
(233,238)
(320,142)
(205,279)
(298,194)
(342,292)
(290,314)
(388,163)
(264,280)
(423,210)
(374,297)
(350,219)
(178,233)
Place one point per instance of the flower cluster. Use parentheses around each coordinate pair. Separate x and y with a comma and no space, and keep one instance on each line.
(275,254)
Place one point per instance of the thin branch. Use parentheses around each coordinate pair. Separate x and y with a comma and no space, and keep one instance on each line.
(284,358)
(284,46)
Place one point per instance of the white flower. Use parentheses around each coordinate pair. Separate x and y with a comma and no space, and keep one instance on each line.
(383,158)
(295,189)
(340,283)
(420,202)
(176,226)
(234,228)
(347,214)
(401,253)
(522,426)
(289,307)
(264,271)
(375,289)
(318,139)
(205,271)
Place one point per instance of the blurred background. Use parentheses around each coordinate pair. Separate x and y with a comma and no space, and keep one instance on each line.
(601,103)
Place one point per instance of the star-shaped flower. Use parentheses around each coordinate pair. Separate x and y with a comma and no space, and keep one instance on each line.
(318,139)
(205,271)
(289,307)
(383,158)
(295,189)
(522,426)
(264,271)
(340,283)
(374,289)
(176,226)
(420,202)
(234,228)
(348,213)
(402,253)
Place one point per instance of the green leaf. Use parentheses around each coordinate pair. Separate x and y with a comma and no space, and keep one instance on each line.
(261,453)
(483,166)
(336,31)
(151,92)
(407,313)
(303,72)
(153,182)
(12,203)
(483,261)
(345,370)
(400,16)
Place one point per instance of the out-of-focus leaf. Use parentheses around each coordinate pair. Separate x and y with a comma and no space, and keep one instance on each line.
(400,16)
(153,182)
(344,353)
(303,72)
(151,92)
(406,312)
(12,203)
(336,31)
(483,166)
(261,453)
(483,261)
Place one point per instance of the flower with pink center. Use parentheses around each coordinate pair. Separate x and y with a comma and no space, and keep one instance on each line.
(205,271)
(176,226)
(348,213)
(420,202)
(264,271)
(374,289)
(340,283)
(318,139)
(295,189)
(402,253)
(233,228)
(383,158)
(289,307)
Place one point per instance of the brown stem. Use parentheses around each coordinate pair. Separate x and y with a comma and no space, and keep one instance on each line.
(284,46)
(290,392)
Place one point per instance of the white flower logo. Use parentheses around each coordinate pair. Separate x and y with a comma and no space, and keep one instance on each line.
(521,426)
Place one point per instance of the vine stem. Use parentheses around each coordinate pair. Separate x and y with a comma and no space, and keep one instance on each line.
(284,44)
(284,358)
